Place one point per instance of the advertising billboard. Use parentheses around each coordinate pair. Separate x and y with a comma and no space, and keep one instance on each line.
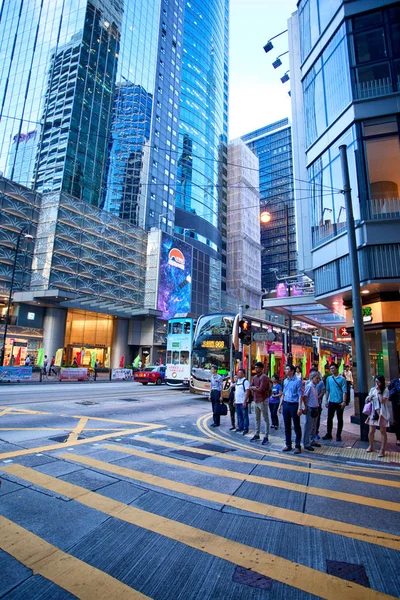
(175,276)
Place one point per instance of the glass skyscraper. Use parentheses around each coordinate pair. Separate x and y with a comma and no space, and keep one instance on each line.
(123,104)
(273,146)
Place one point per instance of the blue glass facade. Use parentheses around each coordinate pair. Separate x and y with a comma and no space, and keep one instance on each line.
(273,147)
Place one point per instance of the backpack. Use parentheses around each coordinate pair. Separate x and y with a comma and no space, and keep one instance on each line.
(250,393)
(394,391)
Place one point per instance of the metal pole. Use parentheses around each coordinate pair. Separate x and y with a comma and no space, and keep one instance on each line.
(289,340)
(241,345)
(6,323)
(362,373)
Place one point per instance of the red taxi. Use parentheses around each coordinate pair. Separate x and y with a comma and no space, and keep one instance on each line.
(151,374)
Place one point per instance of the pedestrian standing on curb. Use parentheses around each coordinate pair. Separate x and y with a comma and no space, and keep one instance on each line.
(336,396)
(380,416)
(394,397)
(215,397)
(260,388)
(291,406)
(310,400)
(274,401)
(231,403)
(241,400)
(321,391)
(348,375)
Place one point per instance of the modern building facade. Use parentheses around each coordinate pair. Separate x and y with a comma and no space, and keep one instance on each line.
(243,246)
(122,105)
(273,147)
(345,59)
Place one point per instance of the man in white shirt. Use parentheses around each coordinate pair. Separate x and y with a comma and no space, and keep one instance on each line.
(242,411)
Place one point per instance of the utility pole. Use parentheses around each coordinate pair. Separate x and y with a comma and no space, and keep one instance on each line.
(289,338)
(362,373)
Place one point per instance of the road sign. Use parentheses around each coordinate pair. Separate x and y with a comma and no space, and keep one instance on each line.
(264,336)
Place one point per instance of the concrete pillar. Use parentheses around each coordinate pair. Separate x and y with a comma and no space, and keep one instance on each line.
(54,330)
(119,342)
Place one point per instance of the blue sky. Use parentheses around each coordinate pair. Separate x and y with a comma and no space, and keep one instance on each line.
(257,96)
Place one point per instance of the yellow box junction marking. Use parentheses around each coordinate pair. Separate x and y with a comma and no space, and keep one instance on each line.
(73,436)
(283,570)
(292,516)
(61,446)
(285,485)
(77,577)
(312,470)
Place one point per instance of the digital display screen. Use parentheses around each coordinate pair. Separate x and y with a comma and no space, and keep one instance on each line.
(175,277)
(213,344)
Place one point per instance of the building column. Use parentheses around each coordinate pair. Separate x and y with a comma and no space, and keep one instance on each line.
(54,330)
(119,342)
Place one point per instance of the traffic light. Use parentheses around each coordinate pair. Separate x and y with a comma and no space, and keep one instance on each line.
(245,331)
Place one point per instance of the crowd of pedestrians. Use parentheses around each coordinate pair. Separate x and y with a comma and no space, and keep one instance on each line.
(301,403)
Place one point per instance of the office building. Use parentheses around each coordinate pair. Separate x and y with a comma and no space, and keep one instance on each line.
(273,147)
(116,105)
(345,80)
(243,241)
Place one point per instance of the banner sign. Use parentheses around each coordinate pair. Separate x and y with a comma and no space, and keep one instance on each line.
(70,373)
(15,373)
(121,374)
(175,277)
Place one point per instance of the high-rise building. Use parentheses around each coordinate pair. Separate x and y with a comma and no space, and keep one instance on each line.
(273,147)
(121,105)
(243,241)
(345,84)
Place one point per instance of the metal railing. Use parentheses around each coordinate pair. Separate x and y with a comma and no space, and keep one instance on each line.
(376,87)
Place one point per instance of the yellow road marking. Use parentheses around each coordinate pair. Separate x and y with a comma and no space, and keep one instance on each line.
(285,485)
(25,411)
(4,412)
(283,570)
(57,428)
(61,446)
(73,436)
(226,439)
(312,470)
(154,425)
(77,577)
(292,516)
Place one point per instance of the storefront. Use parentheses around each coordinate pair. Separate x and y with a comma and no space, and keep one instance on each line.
(382,337)
(88,337)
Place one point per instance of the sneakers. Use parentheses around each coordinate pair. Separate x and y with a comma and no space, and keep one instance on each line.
(317,437)
(255,438)
(214,425)
(315,445)
(245,432)
(297,450)
(327,437)
(309,448)
(239,430)
(232,428)
(287,449)
(338,438)
(265,441)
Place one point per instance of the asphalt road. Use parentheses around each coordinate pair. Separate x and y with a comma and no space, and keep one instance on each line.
(119,490)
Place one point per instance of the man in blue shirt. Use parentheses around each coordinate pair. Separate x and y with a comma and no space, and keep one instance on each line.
(291,403)
(336,393)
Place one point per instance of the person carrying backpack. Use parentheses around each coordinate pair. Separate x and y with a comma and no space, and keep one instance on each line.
(394,397)
(241,397)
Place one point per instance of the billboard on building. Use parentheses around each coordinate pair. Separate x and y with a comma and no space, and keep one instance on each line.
(175,276)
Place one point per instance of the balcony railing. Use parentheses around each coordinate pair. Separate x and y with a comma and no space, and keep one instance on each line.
(384,208)
(376,87)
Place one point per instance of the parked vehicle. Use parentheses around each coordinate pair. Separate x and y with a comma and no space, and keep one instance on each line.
(152,374)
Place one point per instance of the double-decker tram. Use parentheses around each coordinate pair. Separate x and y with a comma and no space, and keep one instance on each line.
(216,342)
(179,350)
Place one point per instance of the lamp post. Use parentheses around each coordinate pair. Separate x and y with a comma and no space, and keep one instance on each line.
(26,236)
(265,218)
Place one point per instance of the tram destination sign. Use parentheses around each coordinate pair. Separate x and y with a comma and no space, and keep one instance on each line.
(263,336)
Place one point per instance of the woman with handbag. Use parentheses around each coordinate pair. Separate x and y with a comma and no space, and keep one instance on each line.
(377,408)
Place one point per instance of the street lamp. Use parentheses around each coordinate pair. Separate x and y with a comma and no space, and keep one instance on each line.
(269,45)
(26,236)
(277,62)
(265,217)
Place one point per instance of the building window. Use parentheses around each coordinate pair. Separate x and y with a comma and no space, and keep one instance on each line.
(376,53)
(382,157)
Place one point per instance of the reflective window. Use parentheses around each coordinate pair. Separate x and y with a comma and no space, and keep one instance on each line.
(314,17)
(175,357)
(184,357)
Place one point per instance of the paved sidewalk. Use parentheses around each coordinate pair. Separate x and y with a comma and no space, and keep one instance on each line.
(349,448)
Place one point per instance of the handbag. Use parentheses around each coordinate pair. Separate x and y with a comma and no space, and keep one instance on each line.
(367,410)
(221,409)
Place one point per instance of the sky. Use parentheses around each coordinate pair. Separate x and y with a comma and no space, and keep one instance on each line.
(256,95)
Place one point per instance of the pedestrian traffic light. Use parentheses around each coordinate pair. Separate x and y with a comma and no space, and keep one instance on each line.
(245,331)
